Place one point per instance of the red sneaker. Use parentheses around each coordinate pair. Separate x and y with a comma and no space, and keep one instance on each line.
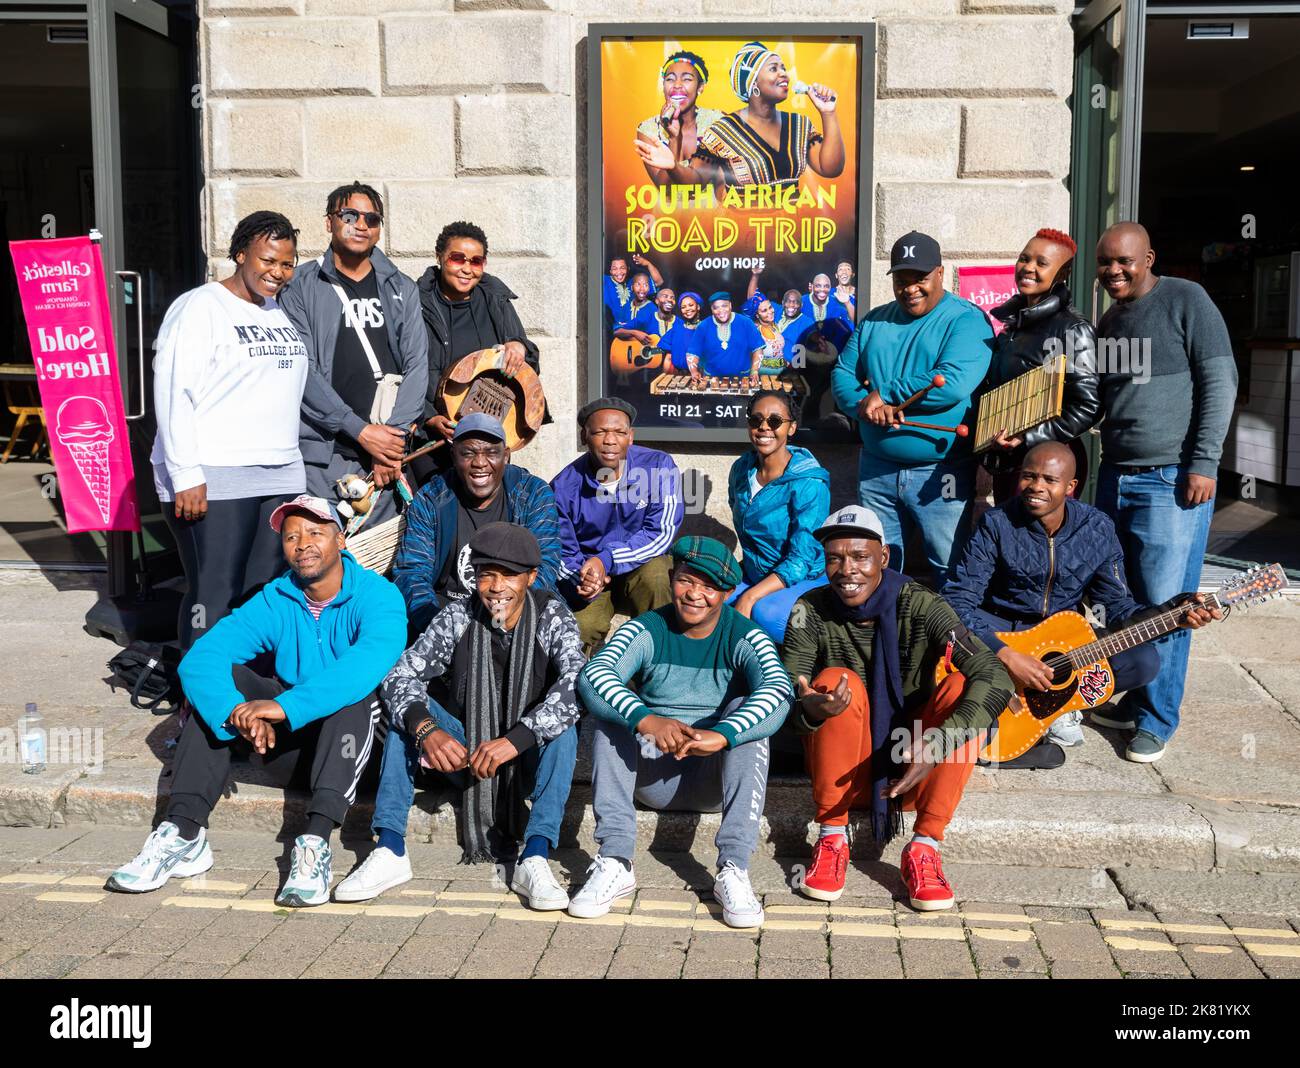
(824,879)
(927,889)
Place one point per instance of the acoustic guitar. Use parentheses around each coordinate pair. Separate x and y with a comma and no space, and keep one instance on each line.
(1082,677)
(627,355)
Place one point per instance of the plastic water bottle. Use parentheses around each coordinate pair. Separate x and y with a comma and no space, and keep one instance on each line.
(33,741)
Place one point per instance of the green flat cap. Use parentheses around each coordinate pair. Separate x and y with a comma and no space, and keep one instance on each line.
(710,558)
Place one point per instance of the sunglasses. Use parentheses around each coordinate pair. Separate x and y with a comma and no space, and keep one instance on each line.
(774,422)
(351,215)
(459,259)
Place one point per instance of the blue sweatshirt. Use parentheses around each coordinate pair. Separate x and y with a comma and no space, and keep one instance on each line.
(327,664)
(775,526)
(634,523)
(899,354)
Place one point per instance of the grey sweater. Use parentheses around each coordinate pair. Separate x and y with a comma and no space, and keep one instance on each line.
(1181,415)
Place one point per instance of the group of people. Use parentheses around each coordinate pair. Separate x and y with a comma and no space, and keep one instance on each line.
(473,667)
(758,341)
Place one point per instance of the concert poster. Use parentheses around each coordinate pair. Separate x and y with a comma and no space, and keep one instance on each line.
(728,218)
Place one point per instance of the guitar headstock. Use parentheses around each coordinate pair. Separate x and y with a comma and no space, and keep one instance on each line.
(1253,586)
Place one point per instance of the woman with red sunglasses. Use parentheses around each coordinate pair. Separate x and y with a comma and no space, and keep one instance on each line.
(779,494)
(465,310)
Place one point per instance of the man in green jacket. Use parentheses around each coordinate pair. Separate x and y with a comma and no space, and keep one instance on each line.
(882,734)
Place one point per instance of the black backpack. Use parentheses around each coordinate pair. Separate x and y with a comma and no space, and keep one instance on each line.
(151,671)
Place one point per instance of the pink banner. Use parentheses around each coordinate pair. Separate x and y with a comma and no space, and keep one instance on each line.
(987,287)
(65,301)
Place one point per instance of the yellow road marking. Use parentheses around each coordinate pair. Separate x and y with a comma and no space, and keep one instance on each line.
(202,882)
(1002,934)
(940,934)
(796,910)
(987,917)
(857,910)
(666,906)
(96,881)
(1122,942)
(1197,928)
(865,930)
(38,879)
(1269,949)
(70,895)
(418,893)
(1211,949)
(396,910)
(467,895)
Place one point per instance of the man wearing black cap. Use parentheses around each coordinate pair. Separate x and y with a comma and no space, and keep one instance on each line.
(881,734)
(334,629)
(725,345)
(480,487)
(698,682)
(915,477)
(620,507)
(484,697)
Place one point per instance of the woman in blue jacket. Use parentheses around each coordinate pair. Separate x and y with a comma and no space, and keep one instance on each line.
(779,494)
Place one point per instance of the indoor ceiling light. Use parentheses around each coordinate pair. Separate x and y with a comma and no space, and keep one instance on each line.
(1247,166)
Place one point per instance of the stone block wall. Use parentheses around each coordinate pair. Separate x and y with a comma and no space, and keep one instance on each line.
(476,109)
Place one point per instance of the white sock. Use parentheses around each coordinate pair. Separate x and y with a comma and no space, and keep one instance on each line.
(827,830)
(925,839)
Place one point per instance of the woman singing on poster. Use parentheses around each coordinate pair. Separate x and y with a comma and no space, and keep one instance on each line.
(759,144)
(680,123)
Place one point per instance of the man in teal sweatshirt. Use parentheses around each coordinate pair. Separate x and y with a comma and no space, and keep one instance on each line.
(685,698)
(909,476)
(333,629)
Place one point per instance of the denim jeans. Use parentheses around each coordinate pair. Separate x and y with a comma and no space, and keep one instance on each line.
(772,612)
(1164,549)
(547,769)
(936,497)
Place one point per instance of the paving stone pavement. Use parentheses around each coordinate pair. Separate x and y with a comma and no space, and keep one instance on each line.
(455,921)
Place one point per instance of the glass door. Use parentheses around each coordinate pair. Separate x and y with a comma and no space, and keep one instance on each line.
(145,106)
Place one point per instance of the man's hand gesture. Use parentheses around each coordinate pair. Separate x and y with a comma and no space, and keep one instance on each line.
(824,704)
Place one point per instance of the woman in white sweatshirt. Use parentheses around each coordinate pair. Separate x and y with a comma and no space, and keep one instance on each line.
(228,381)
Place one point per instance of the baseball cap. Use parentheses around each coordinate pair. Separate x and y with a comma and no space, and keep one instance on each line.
(479,423)
(915,251)
(305,502)
(851,519)
(506,544)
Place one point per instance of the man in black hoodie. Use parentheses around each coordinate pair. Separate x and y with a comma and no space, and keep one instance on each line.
(465,310)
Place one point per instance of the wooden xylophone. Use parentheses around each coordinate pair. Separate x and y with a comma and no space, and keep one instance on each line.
(1021,403)
(728,385)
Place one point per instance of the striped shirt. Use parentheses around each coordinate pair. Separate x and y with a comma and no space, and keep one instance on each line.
(317,607)
(731,682)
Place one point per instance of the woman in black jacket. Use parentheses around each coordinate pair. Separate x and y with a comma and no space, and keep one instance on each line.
(1041,323)
(465,310)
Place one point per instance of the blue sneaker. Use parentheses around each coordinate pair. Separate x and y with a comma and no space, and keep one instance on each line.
(1145,748)
(309,874)
(165,853)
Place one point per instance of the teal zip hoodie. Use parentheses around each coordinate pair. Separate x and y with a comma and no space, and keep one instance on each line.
(899,354)
(775,526)
(327,664)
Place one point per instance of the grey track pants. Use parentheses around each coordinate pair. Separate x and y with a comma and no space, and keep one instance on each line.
(627,767)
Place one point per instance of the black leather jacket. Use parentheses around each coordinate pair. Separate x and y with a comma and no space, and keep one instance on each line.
(1032,334)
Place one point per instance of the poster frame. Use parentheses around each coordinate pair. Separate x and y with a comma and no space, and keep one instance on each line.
(863,34)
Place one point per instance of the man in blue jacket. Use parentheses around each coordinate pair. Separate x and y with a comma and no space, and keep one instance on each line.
(1041,553)
(908,476)
(480,487)
(334,630)
(368,366)
(620,506)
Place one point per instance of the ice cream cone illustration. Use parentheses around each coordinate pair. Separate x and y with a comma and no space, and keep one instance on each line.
(81,424)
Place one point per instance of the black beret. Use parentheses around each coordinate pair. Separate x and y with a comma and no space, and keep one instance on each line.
(512,547)
(601,404)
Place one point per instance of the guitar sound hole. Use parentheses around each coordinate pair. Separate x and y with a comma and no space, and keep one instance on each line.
(1062,672)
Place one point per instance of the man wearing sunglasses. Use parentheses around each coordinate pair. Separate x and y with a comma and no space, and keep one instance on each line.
(368,368)
(466,309)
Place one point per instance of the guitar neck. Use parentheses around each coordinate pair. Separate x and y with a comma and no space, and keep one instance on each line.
(1134,635)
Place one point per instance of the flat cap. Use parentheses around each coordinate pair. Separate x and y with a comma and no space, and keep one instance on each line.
(710,558)
(507,545)
(606,403)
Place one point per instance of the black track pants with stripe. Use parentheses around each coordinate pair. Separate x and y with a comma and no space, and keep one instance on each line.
(326,757)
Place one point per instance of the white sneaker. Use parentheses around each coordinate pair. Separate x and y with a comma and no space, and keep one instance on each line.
(380,871)
(165,853)
(534,879)
(607,881)
(1067,730)
(731,890)
(309,874)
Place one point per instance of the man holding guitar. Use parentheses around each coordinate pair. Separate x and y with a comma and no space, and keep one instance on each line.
(1044,552)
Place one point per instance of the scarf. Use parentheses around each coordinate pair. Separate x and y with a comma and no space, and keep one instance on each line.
(497,802)
(885,692)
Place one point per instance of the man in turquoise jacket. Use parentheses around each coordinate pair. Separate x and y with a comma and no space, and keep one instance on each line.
(334,630)
(909,476)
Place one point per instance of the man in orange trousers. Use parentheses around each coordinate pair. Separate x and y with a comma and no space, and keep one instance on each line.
(881,735)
